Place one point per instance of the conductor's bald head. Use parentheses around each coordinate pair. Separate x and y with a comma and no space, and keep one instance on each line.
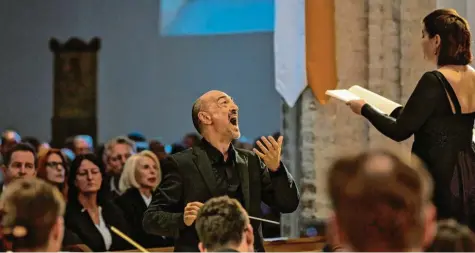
(215,113)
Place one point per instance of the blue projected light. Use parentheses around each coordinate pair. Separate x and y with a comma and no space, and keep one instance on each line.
(211,17)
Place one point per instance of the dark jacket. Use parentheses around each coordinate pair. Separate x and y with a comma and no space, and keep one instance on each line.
(133,207)
(188,177)
(78,221)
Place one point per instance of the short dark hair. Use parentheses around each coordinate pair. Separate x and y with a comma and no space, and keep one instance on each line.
(195,110)
(35,143)
(379,199)
(22,146)
(32,205)
(221,222)
(455,36)
(137,137)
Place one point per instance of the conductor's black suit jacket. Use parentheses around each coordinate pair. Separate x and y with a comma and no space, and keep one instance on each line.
(188,177)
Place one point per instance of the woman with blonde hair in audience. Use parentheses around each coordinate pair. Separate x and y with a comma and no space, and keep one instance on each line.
(90,212)
(140,177)
(52,167)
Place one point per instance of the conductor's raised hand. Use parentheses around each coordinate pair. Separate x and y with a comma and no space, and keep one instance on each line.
(191,212)
(270,153)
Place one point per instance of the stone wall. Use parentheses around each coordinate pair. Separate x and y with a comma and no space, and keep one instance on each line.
(378,47)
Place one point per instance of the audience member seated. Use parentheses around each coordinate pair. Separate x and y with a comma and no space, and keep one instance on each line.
(190,139)
(223,225)
(69,143)
(7,141)
(90,212)
(83,144)
(382,203)
(32,216)
(52,167)
(452,237)
(43,149)
(158,149)
(141,175)
(19,161)
(118,150)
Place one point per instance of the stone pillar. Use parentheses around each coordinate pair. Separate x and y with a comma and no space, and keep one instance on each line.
(383,57)
(291,157)
(411,63)
(74,88)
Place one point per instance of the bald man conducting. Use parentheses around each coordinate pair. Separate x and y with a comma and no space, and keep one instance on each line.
(213,168)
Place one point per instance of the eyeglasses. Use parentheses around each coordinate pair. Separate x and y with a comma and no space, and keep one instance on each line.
(54,164)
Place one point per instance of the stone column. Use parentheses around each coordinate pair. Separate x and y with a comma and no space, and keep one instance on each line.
(291,157)
(383,57)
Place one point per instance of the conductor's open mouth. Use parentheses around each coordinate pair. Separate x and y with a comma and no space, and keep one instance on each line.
(233,117)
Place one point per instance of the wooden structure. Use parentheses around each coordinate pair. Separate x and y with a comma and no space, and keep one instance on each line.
(309,244)
(75,89)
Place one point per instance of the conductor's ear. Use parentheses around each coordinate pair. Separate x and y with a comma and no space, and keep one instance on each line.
(204,118)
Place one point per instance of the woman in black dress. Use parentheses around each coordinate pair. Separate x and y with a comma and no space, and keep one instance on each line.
(440,113)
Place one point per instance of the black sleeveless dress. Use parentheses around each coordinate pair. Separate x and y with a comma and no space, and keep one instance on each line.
(442,139)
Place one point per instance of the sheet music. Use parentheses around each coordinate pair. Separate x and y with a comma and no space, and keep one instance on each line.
(343,95)
(356,92)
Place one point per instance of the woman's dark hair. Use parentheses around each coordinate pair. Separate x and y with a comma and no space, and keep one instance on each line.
(34,142)
(99,153)
(455,36)
(73,191)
